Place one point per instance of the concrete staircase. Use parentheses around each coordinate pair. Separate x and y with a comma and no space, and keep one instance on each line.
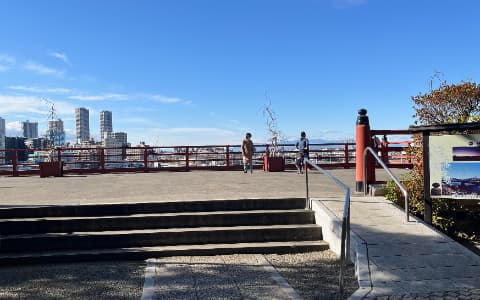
(143,230)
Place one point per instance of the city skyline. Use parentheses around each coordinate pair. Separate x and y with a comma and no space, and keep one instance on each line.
(180,73)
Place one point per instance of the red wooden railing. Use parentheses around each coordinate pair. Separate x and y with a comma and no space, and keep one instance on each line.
(184,158)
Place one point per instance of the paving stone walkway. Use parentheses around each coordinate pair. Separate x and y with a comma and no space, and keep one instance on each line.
(215,277)
(408,260)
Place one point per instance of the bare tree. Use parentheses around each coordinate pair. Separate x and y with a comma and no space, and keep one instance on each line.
(271,121)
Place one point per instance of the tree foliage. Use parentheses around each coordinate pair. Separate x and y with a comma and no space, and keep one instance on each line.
(450,103)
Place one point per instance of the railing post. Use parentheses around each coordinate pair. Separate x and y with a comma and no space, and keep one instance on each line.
(145,160)
(187,158)
(15,163)
(60,163)
(227,156)
(346,156)
(102,160)
(384,149)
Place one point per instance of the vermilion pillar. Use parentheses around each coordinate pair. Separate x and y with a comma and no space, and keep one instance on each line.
(363,140)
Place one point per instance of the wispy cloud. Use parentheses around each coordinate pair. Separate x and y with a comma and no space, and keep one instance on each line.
(41,69)
(40,90)
(14,104)
(159,98)
(138,96)
(342,4)
(6,62)
(164,99)
(185,136)
(61,56)
(100,97)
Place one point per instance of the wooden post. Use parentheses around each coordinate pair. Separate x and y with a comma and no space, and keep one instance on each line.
(427,202)
(363,140)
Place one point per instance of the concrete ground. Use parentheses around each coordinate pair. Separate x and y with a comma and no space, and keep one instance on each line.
(163,186)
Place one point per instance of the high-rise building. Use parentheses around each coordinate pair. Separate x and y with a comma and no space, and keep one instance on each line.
(56,132)
(83,124)
(2,127)
(117,140)
(105,123)
(2,140)
(30,129)
(121,137)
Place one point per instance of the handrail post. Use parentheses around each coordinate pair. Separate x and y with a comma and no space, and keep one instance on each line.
(347,256)
(345,234)
(309,204)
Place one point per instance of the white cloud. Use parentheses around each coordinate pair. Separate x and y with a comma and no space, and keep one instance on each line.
(6,62)
(13,129)
(41,69)
(61,56)
(100,97)
(33,89)
(14,104)
(160,98)
(184,136)
(115,96)
(165,99)
(340,4)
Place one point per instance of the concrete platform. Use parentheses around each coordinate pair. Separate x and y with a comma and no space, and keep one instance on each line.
(165,186)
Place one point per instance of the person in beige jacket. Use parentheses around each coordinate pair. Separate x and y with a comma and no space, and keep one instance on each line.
(247,152)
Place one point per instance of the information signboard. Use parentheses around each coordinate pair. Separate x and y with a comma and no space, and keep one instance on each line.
(455,166)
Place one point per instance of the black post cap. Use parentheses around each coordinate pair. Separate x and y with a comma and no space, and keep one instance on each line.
(362,118)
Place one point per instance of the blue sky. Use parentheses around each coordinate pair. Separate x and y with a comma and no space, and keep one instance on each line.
(177,72)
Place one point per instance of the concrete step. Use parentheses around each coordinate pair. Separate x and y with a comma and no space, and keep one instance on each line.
(158,237)
(141,253)
(121,209)
(155,220)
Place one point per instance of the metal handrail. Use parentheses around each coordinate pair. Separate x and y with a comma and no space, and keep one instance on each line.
(394,178)
(345,238)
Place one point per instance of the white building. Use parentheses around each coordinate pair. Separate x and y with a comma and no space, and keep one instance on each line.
(106,125)
(113,148)
(82,121)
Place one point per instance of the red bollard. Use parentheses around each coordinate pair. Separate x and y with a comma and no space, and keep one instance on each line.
(363,140)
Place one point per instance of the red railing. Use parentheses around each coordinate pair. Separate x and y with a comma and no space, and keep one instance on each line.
(181,158)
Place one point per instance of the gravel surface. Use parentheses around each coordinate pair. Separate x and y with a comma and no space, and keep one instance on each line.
(314,275)
(90,280)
